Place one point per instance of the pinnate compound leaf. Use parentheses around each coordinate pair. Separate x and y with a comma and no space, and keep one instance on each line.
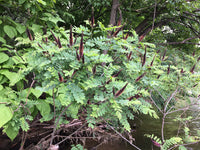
(5,115)
(3,57)
(10,31)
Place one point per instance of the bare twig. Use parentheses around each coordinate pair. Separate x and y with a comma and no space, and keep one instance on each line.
(122,136)
(155,104)
(54,129)
(69,136)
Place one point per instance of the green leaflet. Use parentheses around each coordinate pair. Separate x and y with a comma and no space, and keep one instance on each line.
(44,108)
(3,57)
(5,114)
(10,31)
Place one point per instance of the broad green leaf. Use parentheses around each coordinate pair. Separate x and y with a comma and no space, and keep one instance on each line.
(36,92)
(10,31)
(0,21)
(11,132)
(44,108)
(20,28)
(3,57)
(41,2)
(12,76)
(21,1)
(5,114)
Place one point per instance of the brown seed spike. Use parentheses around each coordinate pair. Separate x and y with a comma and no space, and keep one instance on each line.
(153,60)
(198,58)
(81,47)
(113,91)
(40,46)
(77,56)
(115,75)
(144,57)
(54,37)
(193,54)
(29,34)
(182,71)
(94,70)
(168,69)
(140,77)
(117,31)
(60,77)
(192,69)
(120,91)
(164,55)
(71,36)
(83,59)
(59,44)
(129,55)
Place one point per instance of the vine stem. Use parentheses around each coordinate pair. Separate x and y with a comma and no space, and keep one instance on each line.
(54,129)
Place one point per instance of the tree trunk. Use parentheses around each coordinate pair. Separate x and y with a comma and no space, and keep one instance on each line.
(115,5)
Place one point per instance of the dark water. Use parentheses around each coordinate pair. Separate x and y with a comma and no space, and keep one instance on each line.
(148,125)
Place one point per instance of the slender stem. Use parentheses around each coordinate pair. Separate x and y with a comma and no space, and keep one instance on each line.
(54,109)
(162,128)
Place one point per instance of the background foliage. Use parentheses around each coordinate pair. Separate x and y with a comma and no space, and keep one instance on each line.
(44,70)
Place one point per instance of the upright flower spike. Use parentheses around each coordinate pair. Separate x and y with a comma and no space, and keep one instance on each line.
(92,17)
(83,59)
(60,77)
(164,54)
(54,37)
(59,44)
(168,69)
(117,31)
(118,93)
(29,34)
(153,60)
(81,47)
(140,77)
(77,56)
(94,70)
(158,76)
(129,55)
(198,59)
(115,75)
(144,57)
(192,69)
(193,54)
(182,71)
(71,36)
